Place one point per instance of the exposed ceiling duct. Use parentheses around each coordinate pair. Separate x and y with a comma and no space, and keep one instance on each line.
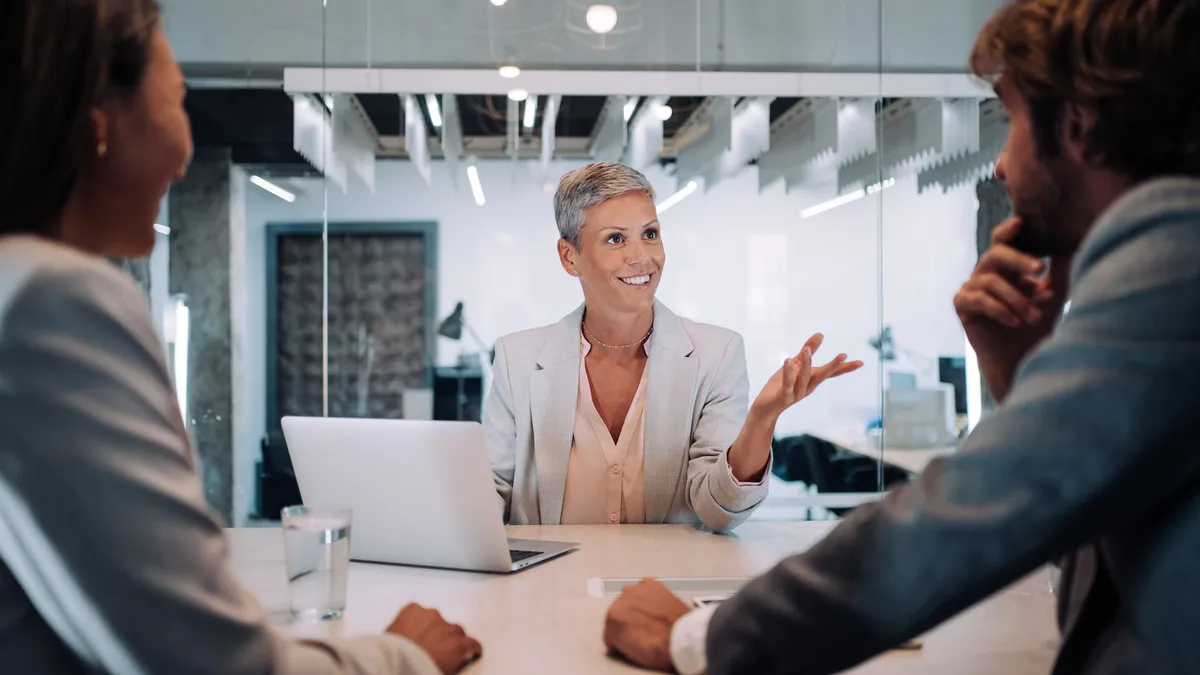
(969,167)
(549,119)
(916,134)
(812,145)
(696,158)
(611,134)
(803,135)
(452,138)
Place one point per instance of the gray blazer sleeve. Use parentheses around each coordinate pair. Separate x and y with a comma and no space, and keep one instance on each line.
(105,525)
(499,424)
(717,499)
(1098,429)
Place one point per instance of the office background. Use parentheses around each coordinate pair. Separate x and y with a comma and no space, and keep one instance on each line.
(826,165)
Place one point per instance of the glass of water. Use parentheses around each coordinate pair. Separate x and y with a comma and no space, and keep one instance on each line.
(317,543)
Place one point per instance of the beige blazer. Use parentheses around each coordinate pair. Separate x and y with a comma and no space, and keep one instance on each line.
(696,401)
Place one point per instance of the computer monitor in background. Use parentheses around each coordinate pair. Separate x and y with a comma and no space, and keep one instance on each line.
(953,371)
(901,380)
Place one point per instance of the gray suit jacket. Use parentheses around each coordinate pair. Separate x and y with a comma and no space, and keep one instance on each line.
(110,560)
(696,402)
(1093,456)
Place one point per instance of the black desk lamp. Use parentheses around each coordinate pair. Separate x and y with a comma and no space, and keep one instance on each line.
(884,344)
(452,327)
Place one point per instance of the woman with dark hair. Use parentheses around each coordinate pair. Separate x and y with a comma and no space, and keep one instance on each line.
(110,559)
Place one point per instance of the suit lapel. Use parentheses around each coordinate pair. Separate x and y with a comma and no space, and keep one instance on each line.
(554,388)
(670,400)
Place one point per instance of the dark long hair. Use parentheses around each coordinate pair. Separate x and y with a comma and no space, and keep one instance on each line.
(59,59)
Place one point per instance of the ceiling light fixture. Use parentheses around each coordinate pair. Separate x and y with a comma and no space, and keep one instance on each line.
(162,229)
(663,112)
(846,198)
(677,197)
(476,186)
(530,112)
(510,72)
(273,189)
(499,3)
(630,106)
(435,113)
(601,18)
(518,95)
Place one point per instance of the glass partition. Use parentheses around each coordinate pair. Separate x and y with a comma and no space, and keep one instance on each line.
(440,167)
(940,136)
(240,301)
(390,170)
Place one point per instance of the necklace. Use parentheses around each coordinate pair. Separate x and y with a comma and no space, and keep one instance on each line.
(631,344)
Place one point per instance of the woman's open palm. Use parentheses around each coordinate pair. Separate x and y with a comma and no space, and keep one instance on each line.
(798,378)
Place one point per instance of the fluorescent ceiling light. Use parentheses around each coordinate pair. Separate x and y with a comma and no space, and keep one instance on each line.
(677,197)
(273,189)
(887,183)
(630,106)
(499,3)
(518,95)
(833,203)
(846,198)
(476,186)
(601,18)
(530,112)
(435,113)
(510,72)
(162,229)
(663,112)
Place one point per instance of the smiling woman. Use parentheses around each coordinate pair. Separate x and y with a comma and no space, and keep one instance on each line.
(623,412)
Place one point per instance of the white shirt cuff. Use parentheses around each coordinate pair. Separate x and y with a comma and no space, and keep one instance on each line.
(689,641)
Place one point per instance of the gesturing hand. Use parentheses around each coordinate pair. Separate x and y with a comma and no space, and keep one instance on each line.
(797,378)
(447,644)
(639,623)
(1006,307)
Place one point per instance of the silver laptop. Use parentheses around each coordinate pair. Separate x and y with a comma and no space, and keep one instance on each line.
(421,492)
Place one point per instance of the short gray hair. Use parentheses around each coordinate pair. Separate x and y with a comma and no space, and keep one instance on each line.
(588,186)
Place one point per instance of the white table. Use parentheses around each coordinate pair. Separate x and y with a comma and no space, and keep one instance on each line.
(542,620)
(912,460)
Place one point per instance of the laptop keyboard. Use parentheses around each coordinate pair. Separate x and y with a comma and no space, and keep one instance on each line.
(518,555)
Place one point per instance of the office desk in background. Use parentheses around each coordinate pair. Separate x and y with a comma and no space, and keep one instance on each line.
(912,460)
(543,620)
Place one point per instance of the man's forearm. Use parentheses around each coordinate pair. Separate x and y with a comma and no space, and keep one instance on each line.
(751,450)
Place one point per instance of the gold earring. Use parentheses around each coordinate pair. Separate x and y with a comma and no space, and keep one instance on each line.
(102,148)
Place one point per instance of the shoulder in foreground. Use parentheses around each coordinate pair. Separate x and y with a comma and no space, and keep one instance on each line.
(1163,202)
(41,270)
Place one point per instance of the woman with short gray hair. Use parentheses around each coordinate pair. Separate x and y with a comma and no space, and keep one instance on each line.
(623,412)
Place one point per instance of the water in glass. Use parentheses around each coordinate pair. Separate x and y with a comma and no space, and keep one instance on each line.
(317,543)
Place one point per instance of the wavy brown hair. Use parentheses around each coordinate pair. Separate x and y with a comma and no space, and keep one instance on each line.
(1136,63)
(59,59)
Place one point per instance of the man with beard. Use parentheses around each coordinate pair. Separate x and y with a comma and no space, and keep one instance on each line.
(1091,457)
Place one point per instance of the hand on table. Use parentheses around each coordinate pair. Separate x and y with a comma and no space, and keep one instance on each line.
(447,644)
(1007,307)
(798,378)
(639,623)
